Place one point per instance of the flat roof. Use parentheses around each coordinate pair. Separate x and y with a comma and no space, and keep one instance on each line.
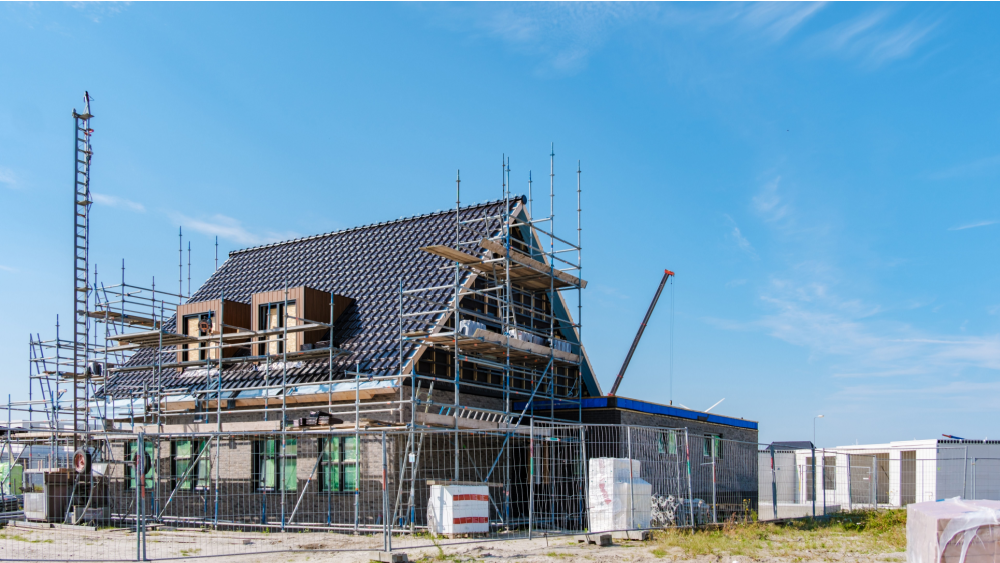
(644,407)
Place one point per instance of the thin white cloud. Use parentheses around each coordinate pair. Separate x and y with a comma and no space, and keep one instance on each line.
(231,229)
(968,169)
(874,39)
(8,269)
(778,19)
(812,317)
(741,241)
(561,35)
(96,11)
(899,43)
(7,177)
(973,225)
(117,202)
(769,204)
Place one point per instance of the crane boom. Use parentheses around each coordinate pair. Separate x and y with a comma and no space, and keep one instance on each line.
(642,328)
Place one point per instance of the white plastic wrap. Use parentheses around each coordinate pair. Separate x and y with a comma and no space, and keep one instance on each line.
(468,327)
(953,531)
(617,502)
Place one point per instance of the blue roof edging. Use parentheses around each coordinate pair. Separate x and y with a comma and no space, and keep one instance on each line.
(642,406)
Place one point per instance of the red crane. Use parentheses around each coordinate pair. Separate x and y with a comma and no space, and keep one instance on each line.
(642,328)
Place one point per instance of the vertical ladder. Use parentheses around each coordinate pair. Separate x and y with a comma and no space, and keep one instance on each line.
(79,373)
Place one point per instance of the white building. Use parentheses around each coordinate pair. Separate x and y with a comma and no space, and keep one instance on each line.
(886,475)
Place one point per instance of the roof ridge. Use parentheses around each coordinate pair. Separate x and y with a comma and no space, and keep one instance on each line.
(369,225)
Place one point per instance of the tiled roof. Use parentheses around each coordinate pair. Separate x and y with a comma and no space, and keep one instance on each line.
(364,263)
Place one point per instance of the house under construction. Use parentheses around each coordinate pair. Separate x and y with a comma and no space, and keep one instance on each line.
(450,342)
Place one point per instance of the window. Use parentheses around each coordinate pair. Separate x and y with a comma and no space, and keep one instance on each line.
(150,472)
(712,446)
(340,463)
(271,468)
(830,472)
(197,325)
(272,316)
(183,454)
(666,443)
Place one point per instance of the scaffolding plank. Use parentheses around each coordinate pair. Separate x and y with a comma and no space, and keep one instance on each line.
(451,254)
(118,317)
(493,344)
(529,262)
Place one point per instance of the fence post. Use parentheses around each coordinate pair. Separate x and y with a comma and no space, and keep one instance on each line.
(687,455)
(386,531)
(974,478)
(140,481)
(586,478)
(823,453)
(814,479)
(774,484)
(631,497)
(531,473)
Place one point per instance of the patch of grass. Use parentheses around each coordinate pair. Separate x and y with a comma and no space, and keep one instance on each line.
(856,532)
(17,537)
(554,554)
(190,552)
(659,553)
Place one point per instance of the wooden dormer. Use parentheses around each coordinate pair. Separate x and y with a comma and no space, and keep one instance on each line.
(200,319)
(304,304)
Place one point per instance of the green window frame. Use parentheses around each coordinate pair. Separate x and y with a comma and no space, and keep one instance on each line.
(270,468)
(150,448)
(712,446)
(183,453)
(666,443)
(339,464)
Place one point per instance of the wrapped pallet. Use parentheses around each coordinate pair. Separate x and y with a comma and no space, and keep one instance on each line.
(458,509)
(618,498)
(953,531)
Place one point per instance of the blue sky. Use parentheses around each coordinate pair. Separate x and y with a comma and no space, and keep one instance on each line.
(822,178)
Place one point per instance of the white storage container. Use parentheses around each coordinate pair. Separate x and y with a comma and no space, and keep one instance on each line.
(615,501)
(458,509)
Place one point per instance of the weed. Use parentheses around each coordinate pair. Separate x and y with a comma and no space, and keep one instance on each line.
(16,537)
(189,552)
(856,532)
(659,553)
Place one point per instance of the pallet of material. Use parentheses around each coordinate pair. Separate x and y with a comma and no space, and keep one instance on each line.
(489,343)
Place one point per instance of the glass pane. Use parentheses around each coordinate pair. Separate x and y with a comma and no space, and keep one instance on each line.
(350,477)
(351,448)
(268,473)
(181,468)
(659,444)
(332,449)
(291,477)
(291,447)
(183,449)
(269,447)
(150,471)
(129,469)
(332,477)
(672,443)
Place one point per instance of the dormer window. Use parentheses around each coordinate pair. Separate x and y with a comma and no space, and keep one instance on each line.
(275,316)
(201,320)
(280,310)
(199,324)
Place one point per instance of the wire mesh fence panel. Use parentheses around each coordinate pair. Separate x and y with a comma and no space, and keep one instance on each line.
(165,496)
(724,476)
(70,507)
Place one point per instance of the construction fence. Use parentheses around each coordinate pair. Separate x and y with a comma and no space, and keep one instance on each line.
(808,482)
(168,496)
